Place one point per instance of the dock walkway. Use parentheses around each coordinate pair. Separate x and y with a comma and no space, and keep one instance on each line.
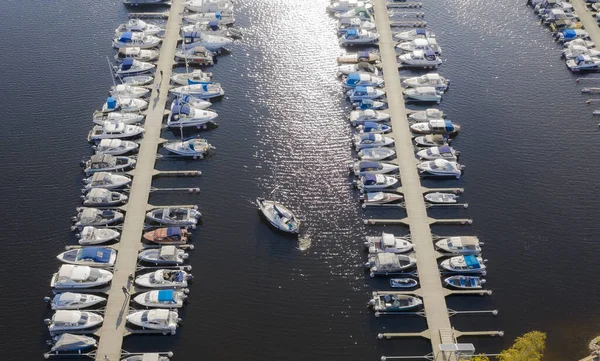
(588,21)
(117,308)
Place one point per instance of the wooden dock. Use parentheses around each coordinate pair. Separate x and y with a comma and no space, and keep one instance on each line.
(117,307)
(587,19)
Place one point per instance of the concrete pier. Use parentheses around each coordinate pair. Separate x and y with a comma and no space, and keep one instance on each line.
(117,307)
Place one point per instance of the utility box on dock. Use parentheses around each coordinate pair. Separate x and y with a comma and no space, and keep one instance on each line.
(460,351)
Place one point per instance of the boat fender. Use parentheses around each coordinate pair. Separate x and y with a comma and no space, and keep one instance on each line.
(191,246)
(186,291)
(47,299)
(185,256)
(47,321)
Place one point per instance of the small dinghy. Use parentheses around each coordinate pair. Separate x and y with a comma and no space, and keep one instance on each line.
(436,126)
(361,79)
(414,34)
(359,37)
(139,25)
(441,198)
(423,94)
(278,215)
(106,180)
(422,44)
(101,118)
(139,40)
(197,55)
(394,302)
(195,76)
(70,276)
(98,197)
(96,217)
(201,91)
(74,301)
(123,104)
(432,79)
(366,104)
(426,115)
(165,255)
(146,357)
(161,299)
(164,278)
(443,152)
(374,128)
(464,264)
(440,168)
(196,148)
(92,235)
(385,263)
(186,116)
(373,198)
(139,54)
(115,147)
(223,18)
(364,167)
(138,80)
(403,283)
(376,153)
(171,235)
(388,243)
(160,319)
(206,6)
(464,245)
(431,140)
(107,163)
(360,57)
(189,100)
(129,91)
(419,59)
(89,256)
(361,116)
(71,320)
(114,131)
(376,182)
(67,342)
(130,66)
(176,216)
(362,92)
(369,140)
(465,282)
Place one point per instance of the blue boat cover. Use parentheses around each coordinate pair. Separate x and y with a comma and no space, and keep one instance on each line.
(363,54)
(420,32)
(569,33)
(580,58)
(173,232)
(449,126)
(370,126)
(213,24)
(367,164)
(97,254)
(126,37)
(366,104)
(351,32)
(353,78)
(190,82)
(369,179)
(360,89)
(472,262)
(369,136)
(182,109)
(111,103)
(127,63)
(166,296)
(218,15)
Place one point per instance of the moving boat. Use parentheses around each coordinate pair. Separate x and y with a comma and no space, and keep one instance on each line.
(440,168)
(129,91)
(195,76)
(426,115)
(131,66)
(464,264)
(165,255)
(375,128)
(423,94)
(137,39)
(89,256)
(71,320)
(414,34)
(443,152)
(362,79)
(158,319)
(465,282)
(278,215)
(441,198)
(195,55)
(161,298)
(365,104)
(107,163)
(364,92)
(67,342)
(436,126)
(359,37)
(432,79)
(385,263)
(346,24)
(170,235)
(376,182)
(583,63)
(369,115)
(394,302)
(346,5)
(114,131)
(101,118)
(91,235)
(138,80)
(376,153)
(103,197)
(360,57)
(187,116)
(422,44)
(387,242)
(73,301)
(71,276)
(124,104)
(175,216)
(572,51)
(403,283)
(370,140)
(139,25)
(106,180)
(202,91)
(207,6)
(420,59)
(370,167)
(459,245)
(214,43)
(96,217)
(196,148)
(145,55)
(115,146)
(363,67)
(164,278)
(224,18)
(381,198)
(571,34)
(431,140)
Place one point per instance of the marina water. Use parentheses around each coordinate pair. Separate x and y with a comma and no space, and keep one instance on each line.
(529,145)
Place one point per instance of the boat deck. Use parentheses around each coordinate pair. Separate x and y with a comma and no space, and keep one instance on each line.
(117,307)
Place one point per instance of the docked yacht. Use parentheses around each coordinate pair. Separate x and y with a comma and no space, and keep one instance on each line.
(347,5)
(387,242)
(583,63)
(436,126)
(161,299)
(376,128)
(464,264)
(186,116)
(571,34)
(196,148)
(176,216)
(278,215)
(581,42)
(101,118)
(214,43)
(443,152)
(365,104)
(139,54)
(362,92)
(414,34)
(130,66)
(459,245)
(394,302)
(70,343)
(223,18)
(123,104)
(431,140)
(423,94)
(419,59)
(370,140)
(423,44)
(364,167)
(201,91)
(96,217)
(165,255)
(385,263)
(147,357)
(195,76)
(139,40)
(106,180)
(376,153)
(70,276)
(139,25)
(426,115)
(362,116)
(376,182)
(74,301)
(359,37)
(114,131)
(196,55)
(91,235)
(465,282)
(168,236)
(190,101)
(72,320)
(213,27)
(572,51)
(362,79)
(441,198)
(431,79)
(115,147)
(129,91)
(137,80)
(440,168)
(346,24)
(360,57)
(361,13)
(164,278)
(103,197)
(89,256)
(403,283)
(156,319)
(380,198)
(209,6)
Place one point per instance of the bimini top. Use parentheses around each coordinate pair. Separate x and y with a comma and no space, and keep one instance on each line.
(369,136)
(353,78)
(369,179)
(214,24)
(445,149)
(361,89)
(182,109)
(429,53)
(368,126)
(97,254)
(166,296)
(569,33)
(126,37)
(111,103)
(369,164)
(68,342)
(173,232)
(127,63)
(420,32)
(351,33)
(472,262)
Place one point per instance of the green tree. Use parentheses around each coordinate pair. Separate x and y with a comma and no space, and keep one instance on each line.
(479,358)
(529,347)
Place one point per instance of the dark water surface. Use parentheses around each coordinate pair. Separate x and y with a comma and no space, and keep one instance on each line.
(529,145)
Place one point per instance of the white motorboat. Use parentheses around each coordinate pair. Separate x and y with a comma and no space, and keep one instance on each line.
(571,34)
(362,116)
(195,76)
(419,59)
(385,263)
(69,343)
(363,67)
(165,255)
(376,153)
(186,116)
(362,79)
(376,182)
(103,197)
(101,118)
(168,236)
(370,140)
(375,128)
(459,245)
(114,131)
(96,217)
(580,42)
(422,44)
(190,101)
(71,276)
(157,319)
(435,126)
(130,66)
(572,51)
(362,92)
(431,79)
(361,13)
(139,25)
(414,34)
(72,320)
(74,301)
(115,146)
(211,42)
(208,6)
(124,104)
(440,168)
(394,302)
(379,198)
(201,91)
(347,5)
(278,215)
(364,167)
(176,216)
(387,242)
(465,282)
(212,27)
(403,283)
(442,152)
(196,148)
(137,80)
(360,57)
(147,55)
(161,298)
(147,357)
(91,235)
(129,91)
(441,198)
(106,180)
(359,37)
(346,24)
(107,163)
(164,278)
(464,264)
(365,104)
(139,40)
(423,94)
(426,115)
(583,63)
(224,18)
(431,140)
(197,55)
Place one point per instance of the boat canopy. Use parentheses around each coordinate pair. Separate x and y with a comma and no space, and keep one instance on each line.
(99,193)
(168,252)
(369,136)
(582,58)
(369,164)
(97,254)
(360,90)
(127,63)
(353,79)
(166,296)
(182,109)
(111,103)
(69,342)
(174,232)
(368,126)
(366,103)
(569,33)
(421,42)
(126,37)
(445,149)
(387,259)
(103,177)
(472,262)
(66,316)
(213,24)
(433,76)
(420,32)
(369,179)
(429,53)
(388,239)
(351,33)
(103,158)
